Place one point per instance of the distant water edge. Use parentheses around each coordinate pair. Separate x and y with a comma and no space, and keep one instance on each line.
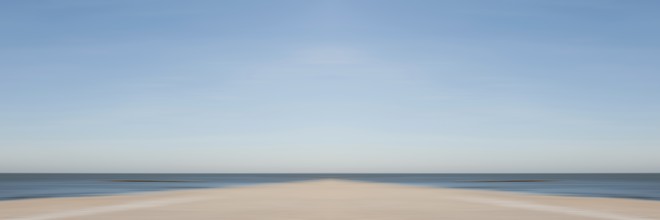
(24,186)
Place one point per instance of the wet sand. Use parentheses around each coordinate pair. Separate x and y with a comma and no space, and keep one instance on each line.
(329,199)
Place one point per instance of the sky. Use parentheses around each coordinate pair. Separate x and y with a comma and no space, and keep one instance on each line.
(446,86)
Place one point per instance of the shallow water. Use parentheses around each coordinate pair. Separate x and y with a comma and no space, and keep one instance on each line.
(22,186)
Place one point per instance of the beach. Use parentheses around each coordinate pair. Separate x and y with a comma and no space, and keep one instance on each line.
(329,199)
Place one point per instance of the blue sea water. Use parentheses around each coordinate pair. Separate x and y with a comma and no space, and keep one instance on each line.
(23,186)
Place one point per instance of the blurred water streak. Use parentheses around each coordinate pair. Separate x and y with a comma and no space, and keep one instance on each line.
(22,186)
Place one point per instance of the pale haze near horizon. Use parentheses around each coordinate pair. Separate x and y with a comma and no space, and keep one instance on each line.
(329,86)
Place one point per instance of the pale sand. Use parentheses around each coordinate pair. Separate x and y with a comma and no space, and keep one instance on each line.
(329,199)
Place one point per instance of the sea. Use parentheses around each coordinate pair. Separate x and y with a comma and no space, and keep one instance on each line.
(25,186)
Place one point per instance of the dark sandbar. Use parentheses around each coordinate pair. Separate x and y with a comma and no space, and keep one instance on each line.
(152,181)
(505,181)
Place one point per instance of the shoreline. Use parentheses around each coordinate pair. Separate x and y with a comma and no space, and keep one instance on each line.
(158,190)
(329,199)
(34,186)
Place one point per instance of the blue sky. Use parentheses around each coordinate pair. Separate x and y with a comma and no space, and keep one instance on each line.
(329,86)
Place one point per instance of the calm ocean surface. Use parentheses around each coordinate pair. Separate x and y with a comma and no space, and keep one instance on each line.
(23,186)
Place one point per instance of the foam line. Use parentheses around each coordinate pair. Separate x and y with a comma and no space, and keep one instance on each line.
(548,208)
(113,208)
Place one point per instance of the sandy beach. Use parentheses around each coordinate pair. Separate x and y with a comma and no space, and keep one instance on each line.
(329,199)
